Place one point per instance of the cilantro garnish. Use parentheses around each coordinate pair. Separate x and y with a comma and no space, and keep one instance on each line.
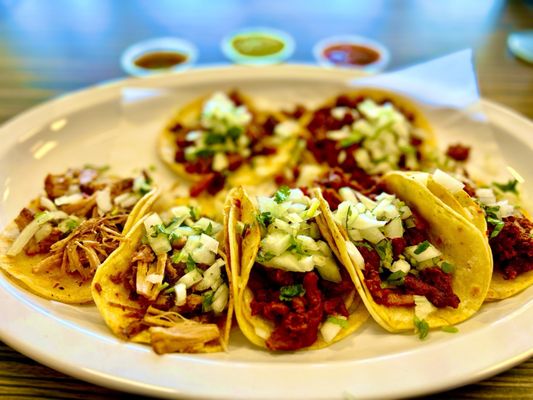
(384,249)
(421,328)
(214,138)
(396,278)
(491,211)
(234,132)
(193,211)
(337,321)
(286,293)
(204,153)
(207,300)
(261,257)
(450,329)
(191,264)
(295,246)
(265,218)
(447,267)
(175,257)
(282,194)
(350,140)
(71,224)
(348,215)
(209,229)
(422,247)
(498,226)
(510,186)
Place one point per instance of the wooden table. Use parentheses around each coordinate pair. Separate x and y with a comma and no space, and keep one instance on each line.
(49,48)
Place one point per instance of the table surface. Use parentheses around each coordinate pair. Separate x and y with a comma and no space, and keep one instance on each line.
(51,47)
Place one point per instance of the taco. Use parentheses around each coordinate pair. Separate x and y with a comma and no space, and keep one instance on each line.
(224,141)
(168,284)
(56,243)
(495,210)
(417,263)
(369,132)
(291,293)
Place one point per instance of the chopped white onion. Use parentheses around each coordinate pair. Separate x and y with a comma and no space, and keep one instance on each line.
(191,278)
(448,181)
(68,199)
(103,200)
(181,294)
(220,299)
(47,203)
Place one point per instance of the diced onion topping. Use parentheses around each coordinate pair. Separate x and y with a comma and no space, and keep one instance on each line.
(448,181)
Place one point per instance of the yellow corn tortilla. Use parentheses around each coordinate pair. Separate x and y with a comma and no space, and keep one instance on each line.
(460,242)
(250,173)
(465,205)
(120,312)
(55,285)
(244,236)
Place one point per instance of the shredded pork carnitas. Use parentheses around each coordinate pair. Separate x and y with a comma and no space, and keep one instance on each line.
(86,247)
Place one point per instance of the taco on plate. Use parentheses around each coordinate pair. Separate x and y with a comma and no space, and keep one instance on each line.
(368,132)
(417,263)
(168,284)
(496,211)
(223,141)
(55,244)
(291,292)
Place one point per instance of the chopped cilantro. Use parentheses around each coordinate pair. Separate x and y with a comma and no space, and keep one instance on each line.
(491,211)
(384,249)
(286,293)
(157,229)
(447,267)
(214,138)
(337,321)
(261,257)
(71,224)
(193,211)
(450,329)
(191,264)
(234,132)
(421,328)
(265,218)
(350,140)
(295,246)
(422,247)
(282,194)
(209,229)
(152,168)
(204,153)
(510,186)
(348,215)
(396,278)
(163,286)
(207,300)
(498,226)
(175,257)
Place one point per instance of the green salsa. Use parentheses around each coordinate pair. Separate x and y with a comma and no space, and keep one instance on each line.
(257,45)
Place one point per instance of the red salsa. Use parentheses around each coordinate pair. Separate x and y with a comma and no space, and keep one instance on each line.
(350,54)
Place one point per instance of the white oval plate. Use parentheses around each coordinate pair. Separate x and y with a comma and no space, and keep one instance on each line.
(116,124)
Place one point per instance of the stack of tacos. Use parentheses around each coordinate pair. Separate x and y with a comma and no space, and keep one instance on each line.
(408,253)
(497,212)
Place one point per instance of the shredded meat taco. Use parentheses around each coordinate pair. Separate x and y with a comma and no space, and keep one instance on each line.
(495,210)
(417,263)
(291,292)
(223,141)
(168,285)
(55,244)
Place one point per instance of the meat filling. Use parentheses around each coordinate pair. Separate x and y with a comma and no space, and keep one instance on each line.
(296,318)
(512,248)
